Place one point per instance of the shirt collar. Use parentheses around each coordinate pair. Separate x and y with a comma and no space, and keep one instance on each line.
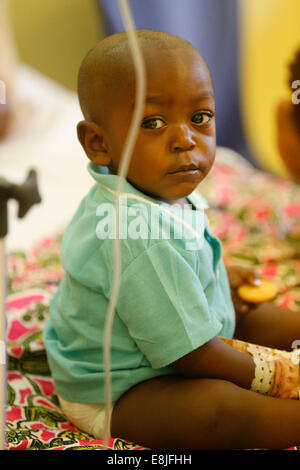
(108,183)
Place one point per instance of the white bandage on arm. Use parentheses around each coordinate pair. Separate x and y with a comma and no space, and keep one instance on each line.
(277,373)
(264,375)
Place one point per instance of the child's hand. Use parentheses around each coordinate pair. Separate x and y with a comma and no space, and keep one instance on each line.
(238,276)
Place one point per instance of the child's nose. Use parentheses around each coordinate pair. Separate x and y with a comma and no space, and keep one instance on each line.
(182,139)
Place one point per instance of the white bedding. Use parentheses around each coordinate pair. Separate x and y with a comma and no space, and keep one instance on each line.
(44,137)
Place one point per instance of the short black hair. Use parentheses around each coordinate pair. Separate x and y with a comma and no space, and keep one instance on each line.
(100,71)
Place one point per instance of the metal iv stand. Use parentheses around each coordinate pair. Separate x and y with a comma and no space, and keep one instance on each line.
(26,195)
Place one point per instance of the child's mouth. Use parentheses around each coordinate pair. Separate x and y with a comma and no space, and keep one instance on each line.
(191,172)
(191,169)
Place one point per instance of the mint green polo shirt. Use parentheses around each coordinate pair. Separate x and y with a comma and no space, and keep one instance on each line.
(174,293)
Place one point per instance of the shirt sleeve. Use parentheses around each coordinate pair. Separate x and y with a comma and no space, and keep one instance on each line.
(164,307)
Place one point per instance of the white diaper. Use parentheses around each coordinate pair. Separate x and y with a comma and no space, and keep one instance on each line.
(88,417)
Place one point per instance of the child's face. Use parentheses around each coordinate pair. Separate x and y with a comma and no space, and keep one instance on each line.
(178,127)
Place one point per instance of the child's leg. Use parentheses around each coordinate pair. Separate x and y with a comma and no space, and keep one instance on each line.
(178,413)
(269,325)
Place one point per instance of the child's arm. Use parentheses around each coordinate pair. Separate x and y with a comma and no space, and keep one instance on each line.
(217,360)
(276,372)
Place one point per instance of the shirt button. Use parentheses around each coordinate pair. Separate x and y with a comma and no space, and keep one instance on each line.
(218,273)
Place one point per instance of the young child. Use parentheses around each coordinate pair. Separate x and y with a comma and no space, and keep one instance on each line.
(175,382)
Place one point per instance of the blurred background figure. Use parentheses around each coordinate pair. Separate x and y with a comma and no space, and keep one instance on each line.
(269,39)
(288,121)
(212,27)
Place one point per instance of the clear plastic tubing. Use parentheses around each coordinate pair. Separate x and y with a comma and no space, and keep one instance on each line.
(122,172)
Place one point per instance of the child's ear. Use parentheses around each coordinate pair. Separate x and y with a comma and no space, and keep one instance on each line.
(92,139)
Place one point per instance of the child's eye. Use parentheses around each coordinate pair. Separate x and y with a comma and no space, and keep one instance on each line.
(153,123)
(201,118)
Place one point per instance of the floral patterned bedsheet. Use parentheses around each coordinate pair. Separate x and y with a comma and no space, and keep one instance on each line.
(257,217)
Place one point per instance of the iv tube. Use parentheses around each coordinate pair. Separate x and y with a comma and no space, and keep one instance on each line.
(122,172)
